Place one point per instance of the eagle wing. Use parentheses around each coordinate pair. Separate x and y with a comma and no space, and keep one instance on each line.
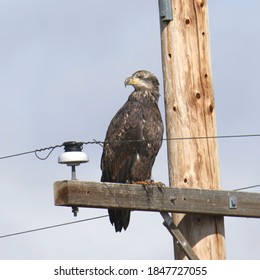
(120,146)
(130,149)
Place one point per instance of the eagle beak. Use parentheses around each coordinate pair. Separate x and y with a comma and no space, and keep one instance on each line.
(131,81)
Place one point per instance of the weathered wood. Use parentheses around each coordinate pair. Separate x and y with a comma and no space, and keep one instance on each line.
(155,198)
(190,112)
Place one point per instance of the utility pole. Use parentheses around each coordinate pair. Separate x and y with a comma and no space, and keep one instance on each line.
(190,113)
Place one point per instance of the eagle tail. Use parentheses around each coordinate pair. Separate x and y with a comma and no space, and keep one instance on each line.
(119,218)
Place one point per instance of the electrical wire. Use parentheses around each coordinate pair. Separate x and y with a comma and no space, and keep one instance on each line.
(101,143)
(214,137)
(53,226)
(51,148)
(246,188)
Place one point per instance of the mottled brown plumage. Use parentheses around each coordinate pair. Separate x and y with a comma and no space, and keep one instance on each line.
(133,139)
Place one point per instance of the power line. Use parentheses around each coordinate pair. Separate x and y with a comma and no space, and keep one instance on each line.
(53,226)
(177,138)
(215,137)
(101,143)
(246,188)
(51,148)
(44,149)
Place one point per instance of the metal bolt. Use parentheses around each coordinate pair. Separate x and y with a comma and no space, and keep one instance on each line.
(172,199)
(75,210)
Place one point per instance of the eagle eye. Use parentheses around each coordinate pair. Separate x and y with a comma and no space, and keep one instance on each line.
(140,75)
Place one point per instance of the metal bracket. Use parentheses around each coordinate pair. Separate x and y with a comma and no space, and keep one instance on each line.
(176,233)
(165,7)
(232,202)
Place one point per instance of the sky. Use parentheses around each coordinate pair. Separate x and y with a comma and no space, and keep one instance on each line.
(62,69)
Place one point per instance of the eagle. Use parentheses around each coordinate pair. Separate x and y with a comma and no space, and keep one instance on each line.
(133,140)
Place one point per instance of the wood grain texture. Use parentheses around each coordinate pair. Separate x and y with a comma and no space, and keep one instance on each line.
(155,198)
(190,112)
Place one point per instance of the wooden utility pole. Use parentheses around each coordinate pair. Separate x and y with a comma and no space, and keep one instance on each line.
(190,112)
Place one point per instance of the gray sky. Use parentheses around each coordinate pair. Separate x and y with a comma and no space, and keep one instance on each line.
(62,69)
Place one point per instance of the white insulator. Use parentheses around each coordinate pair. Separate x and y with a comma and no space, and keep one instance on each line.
(73,158)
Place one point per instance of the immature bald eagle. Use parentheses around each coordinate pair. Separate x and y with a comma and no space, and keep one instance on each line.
(126,158)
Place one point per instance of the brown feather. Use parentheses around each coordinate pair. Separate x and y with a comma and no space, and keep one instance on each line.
(133,140)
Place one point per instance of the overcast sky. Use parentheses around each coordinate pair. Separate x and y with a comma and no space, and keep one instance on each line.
(62,69)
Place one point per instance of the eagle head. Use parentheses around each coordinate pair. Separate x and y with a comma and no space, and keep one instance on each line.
(144,81)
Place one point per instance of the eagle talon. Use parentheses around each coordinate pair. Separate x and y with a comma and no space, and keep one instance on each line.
(148,182)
